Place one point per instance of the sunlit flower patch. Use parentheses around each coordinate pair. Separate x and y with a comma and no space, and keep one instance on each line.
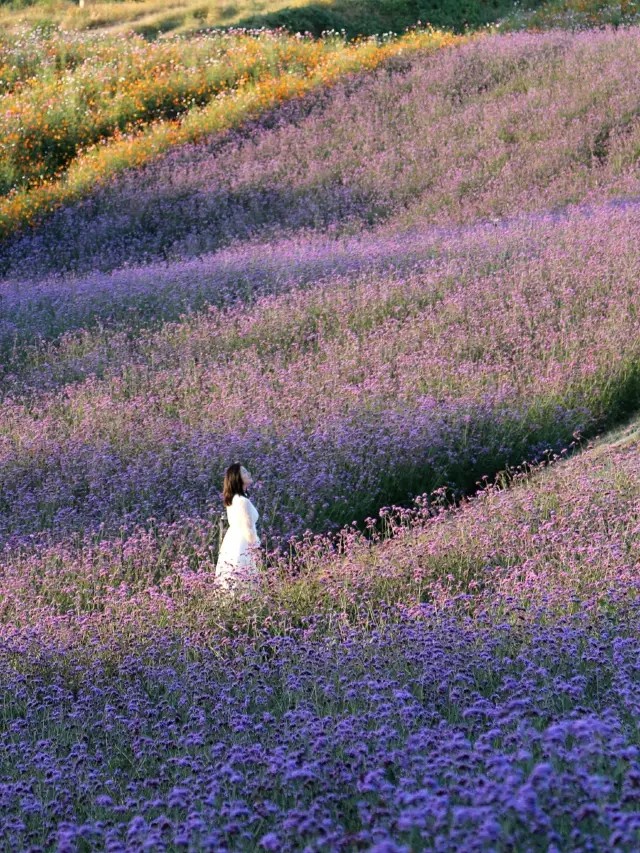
(127,102)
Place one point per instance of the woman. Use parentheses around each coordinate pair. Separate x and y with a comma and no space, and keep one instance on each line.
(238,558)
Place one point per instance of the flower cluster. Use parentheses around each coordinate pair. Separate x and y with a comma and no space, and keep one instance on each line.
(120,86)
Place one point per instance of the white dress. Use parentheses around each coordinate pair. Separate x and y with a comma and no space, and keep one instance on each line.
(238,558)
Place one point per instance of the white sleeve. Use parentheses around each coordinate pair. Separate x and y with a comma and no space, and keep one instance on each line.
(246,521)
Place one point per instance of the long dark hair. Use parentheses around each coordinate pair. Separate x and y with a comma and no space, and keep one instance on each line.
(233,484)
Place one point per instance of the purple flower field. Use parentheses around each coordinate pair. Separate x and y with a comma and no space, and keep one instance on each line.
(502,718)
(491,735)
(394,376)
(379,299)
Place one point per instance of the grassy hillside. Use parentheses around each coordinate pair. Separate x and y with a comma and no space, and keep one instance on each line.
(371,17)
(576,14)
(147,17)
(152,18)
(356,17)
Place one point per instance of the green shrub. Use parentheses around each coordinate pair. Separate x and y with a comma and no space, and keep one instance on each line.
(372,17)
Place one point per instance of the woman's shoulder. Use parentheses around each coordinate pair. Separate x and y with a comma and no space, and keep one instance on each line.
(240,499)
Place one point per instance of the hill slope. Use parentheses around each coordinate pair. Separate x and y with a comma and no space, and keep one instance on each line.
(504,125)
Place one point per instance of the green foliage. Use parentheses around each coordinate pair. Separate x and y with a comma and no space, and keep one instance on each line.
(576,14)
(373,17)
(17,4)
(355,17)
